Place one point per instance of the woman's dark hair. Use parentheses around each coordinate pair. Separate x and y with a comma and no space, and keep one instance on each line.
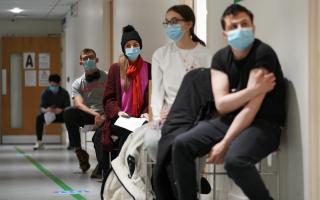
(54,78)
(187,13)
(235,9)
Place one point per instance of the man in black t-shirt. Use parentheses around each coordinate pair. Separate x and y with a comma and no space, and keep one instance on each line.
(249,92)
(54,100)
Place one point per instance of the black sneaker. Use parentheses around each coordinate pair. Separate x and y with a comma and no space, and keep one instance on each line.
(95,173)
(205,186)
(83,158)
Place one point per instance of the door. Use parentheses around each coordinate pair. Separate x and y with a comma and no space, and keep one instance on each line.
(26,64)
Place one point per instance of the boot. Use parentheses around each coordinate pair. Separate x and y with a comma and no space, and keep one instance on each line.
(83,158)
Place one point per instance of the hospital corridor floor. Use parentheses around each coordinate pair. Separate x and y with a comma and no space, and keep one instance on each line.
(49,174)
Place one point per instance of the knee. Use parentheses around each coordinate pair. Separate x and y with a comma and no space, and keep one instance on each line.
(233,162)
(68,113)
(180,144)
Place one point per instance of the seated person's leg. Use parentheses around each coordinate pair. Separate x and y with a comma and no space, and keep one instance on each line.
(122,134)
(252,145)
(39,131)
(74,119)
(96,139)
(60,119)
(151,139)
(187,146)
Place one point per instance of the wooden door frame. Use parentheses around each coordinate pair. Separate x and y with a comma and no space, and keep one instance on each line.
(314,101)
(108,21)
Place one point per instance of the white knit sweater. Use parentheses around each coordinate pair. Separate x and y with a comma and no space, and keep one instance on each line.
(169,65)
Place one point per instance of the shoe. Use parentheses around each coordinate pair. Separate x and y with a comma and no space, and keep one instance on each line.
(83,158)
(39,145)
(95,173)
(205,186)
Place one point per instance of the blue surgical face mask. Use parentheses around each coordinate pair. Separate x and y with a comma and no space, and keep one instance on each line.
(174,32)
(133,53)
(89,64)
(240,39)
(54,89)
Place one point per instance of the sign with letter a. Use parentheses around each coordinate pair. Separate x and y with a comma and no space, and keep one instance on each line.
(28,61)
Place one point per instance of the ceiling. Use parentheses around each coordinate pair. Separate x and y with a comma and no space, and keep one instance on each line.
(35,9)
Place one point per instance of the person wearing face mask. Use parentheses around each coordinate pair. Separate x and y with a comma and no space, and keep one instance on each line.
(87,95)
(126,92)
(249,95)
(170,63)
(54,100)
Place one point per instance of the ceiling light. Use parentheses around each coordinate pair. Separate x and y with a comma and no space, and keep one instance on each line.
(16,10)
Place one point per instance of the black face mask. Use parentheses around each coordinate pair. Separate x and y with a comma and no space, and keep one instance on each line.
(92,77)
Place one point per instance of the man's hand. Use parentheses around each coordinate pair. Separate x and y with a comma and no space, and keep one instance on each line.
(218,152)
(99,120)
(56,110)
(261,80)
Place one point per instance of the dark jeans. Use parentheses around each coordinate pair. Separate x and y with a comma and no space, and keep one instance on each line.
(249,147)
(74,119)
(40,122)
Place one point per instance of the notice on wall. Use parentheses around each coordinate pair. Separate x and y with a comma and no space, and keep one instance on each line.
(30,78)
(28,60)
(43,77)
(44,61)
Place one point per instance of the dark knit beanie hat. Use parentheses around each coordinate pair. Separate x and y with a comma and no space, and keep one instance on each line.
(129,33)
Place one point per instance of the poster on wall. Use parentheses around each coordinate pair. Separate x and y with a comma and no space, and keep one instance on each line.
(30,78)
(43,77)
(28,60)
(44,61)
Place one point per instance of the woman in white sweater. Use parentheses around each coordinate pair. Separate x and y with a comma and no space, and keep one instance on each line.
(170,63)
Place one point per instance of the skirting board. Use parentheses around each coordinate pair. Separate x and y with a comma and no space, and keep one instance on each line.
(26,139)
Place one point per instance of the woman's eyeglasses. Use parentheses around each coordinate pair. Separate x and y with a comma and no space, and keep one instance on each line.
(173,21)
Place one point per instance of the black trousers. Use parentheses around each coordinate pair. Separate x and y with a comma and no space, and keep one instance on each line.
(117,145)
(74,119)
(248,148)
(103,157)
(40,122)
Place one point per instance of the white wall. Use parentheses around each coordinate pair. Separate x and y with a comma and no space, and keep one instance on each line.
(283,25)
(147,17)
(86,30)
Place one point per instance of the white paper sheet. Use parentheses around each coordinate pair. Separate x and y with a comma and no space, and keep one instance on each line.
(130,123)
(49,117)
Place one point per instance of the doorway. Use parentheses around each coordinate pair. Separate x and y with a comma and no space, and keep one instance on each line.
(26,64)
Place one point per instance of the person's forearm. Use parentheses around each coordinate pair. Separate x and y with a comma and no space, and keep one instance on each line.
(234,101)
(244,118)
(86,109)
(43,110)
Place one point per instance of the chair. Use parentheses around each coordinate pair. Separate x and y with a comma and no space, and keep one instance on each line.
(265,167)
(87,129)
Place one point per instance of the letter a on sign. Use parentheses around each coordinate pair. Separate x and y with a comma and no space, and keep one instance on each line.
(28,61)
